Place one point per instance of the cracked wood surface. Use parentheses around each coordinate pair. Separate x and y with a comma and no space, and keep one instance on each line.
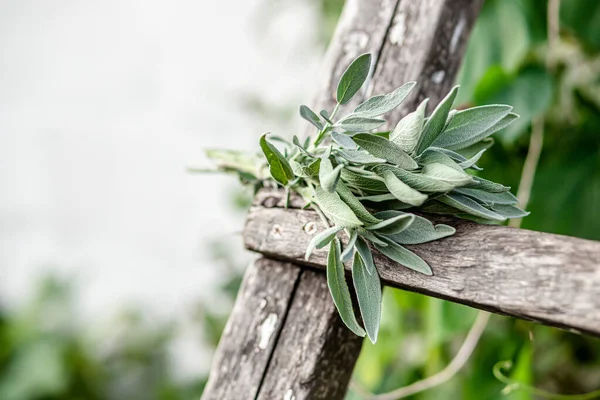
(548,278)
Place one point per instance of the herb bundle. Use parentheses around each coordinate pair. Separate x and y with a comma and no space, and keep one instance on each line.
(365,183)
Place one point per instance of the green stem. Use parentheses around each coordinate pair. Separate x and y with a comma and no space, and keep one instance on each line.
(327,126)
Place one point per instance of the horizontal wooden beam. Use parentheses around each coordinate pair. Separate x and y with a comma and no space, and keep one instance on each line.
(551,279)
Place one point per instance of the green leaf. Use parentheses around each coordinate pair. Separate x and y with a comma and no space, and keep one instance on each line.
(431,156)
(329,176)
(370,236)
(486,197)
(383,148)
(436,122)
(368,293)
(447,174)
(471,126)
(488,186)
(470,163)
(476,148)
(343,140)
(321,240)
(470,206)
(311,117)
(279,167)
(300,147)
(404,257)
(365,253)
(335,209)
(353,78)
(509,211)
(402,191)
(379,105)
(326,116)
(420,231)
(349,249)
(368,182)
(408,131)
(360,124)
(360,157)
(378,198)
(336,281)
(306,171)
(420,182)
(356,206)
(393,225)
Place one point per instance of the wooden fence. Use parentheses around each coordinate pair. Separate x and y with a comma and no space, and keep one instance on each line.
(284,338)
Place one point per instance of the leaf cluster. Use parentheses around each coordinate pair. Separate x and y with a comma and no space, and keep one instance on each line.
(368,182)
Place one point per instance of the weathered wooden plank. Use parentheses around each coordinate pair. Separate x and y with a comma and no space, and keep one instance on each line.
(543,277)
(315,352)
(247,343)
(425,44)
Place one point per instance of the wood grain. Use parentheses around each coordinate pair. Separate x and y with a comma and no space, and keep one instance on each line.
(551,279)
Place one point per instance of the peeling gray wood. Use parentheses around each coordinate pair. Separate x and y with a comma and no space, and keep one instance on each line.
(247,343)
(426,42)
(315,354)
(551,279)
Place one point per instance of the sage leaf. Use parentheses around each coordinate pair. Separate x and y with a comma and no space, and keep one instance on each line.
(408,131)
(360,157)
(470,163)
(279,167)
(393,225)
(367,182)
(488,186)
(436,122)
(473,149)
(311,117)
(420,182)
(383,148)
(365,253)
(360,124)
(420,231)
(471,126)
(353,78)
(356,206)
(402,191)
(404,257)
(349,249)
(431,156)
(379,105)
(321,240)
(370,236)
(378,198)
(487,197)
(329,176)
(335,209)
(447,174)
(325,116)
(343,140)
(509,210)
(300,147)
(368,294)
(336,281)
(470,206)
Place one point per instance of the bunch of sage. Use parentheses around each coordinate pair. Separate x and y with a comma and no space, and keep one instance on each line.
(366,182)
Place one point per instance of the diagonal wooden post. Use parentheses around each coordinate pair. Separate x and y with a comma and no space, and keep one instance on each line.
(284,339)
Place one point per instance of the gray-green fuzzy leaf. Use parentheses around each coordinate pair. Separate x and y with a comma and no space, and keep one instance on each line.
(306,171)
(383,148)
(420,182)
(353,78)
(311,117)
(488,186)
(470,206)
(360,157)
(368,294)
(447,174)
(364,182)
(471,126)
(370,236)
(402,191)
(365,252)
(473,149)
(408,131)
(379,105)
(420,231)
(393,225)
(404,257)
(436,122)
(360,124)
(329,176)
(356,206)
(343,140)
(487,197)
(349,249)
(300,147)
(509,211)
(336,281)
(335,209)
(321,240)
(326,116)
(279,167)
